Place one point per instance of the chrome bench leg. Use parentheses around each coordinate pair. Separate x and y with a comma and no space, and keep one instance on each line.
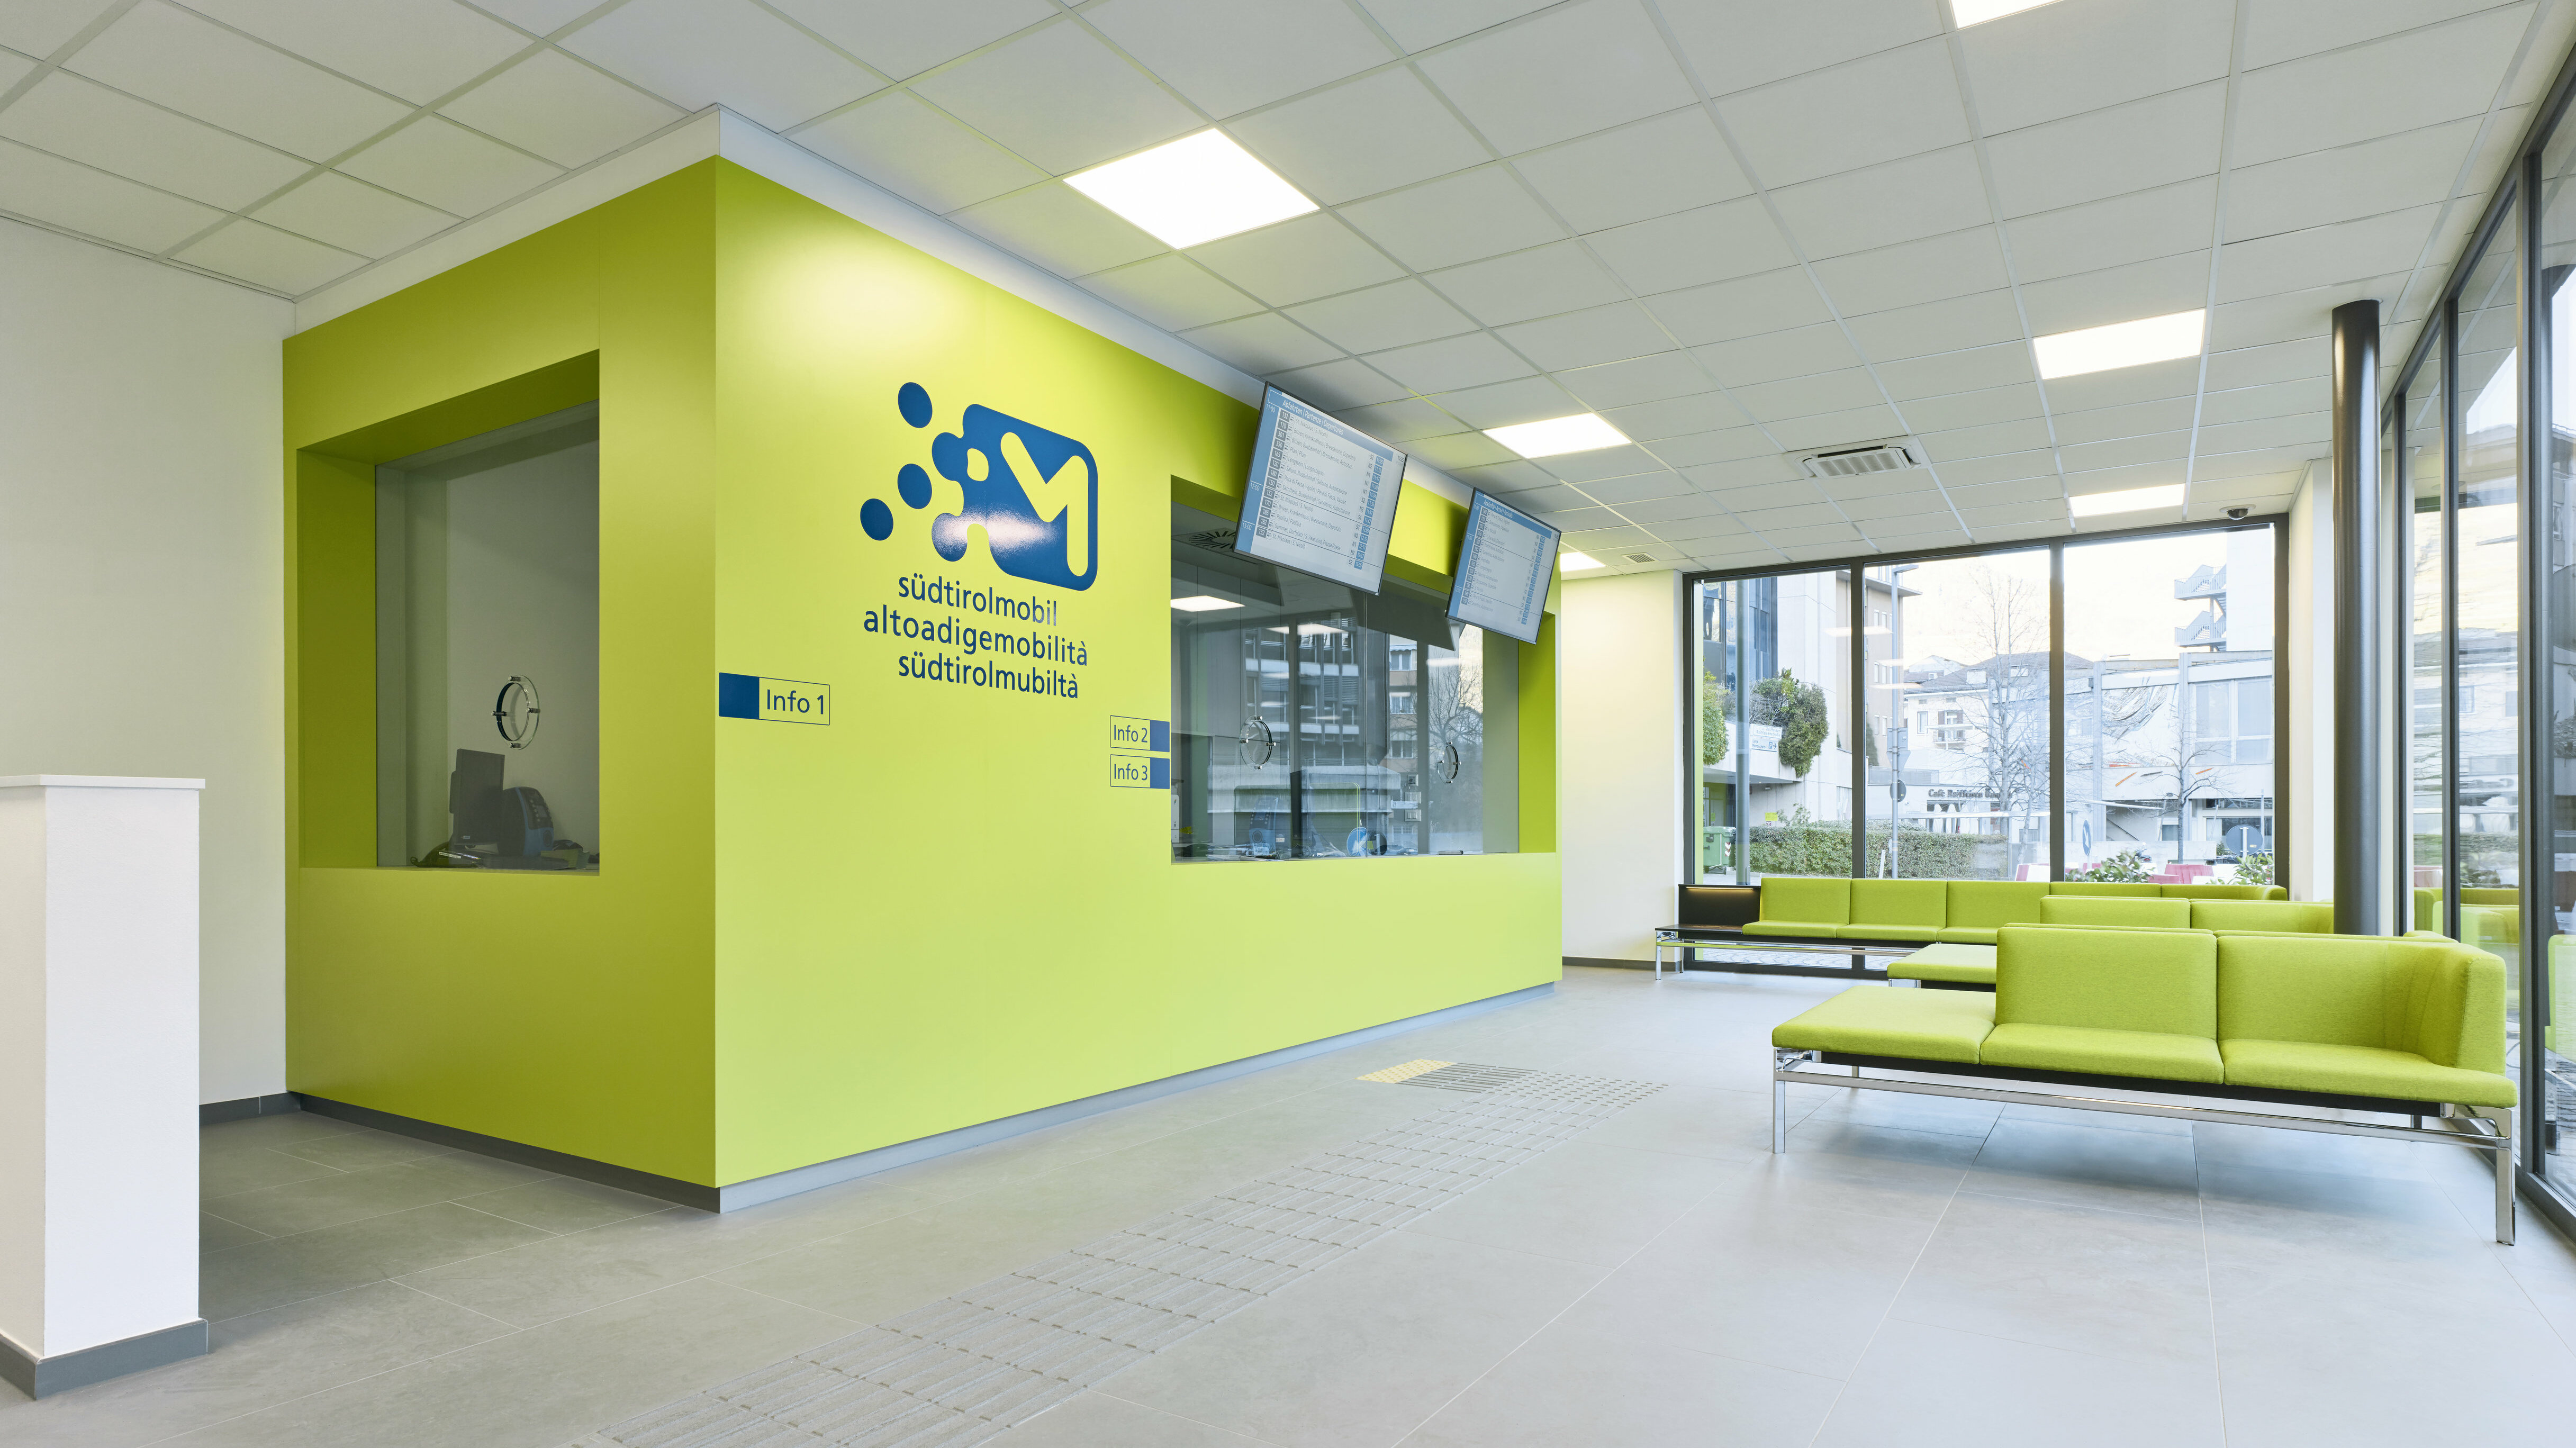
(2502,1116)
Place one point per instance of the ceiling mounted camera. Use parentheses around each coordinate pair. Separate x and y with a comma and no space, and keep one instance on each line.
(2238,514)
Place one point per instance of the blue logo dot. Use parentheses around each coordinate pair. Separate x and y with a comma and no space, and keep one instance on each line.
(913,401)
(877,518)
(914,484)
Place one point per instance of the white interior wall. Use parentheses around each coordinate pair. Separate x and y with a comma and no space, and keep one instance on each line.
(1619,761)
(2309,821)
(142,622)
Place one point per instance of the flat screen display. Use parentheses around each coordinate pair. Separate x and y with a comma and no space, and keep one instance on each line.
(1505,564)
(1322,495)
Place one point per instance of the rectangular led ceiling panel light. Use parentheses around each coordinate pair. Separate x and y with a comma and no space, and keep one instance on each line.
(2121,344)
(1195,189)
(2132,500)
(1978,12)
(1573,562)
(1580,433)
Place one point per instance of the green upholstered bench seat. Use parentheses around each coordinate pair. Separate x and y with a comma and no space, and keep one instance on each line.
(2095,1051)
(1969,912)
(1953,963)
(1878,1020)
(2331,1070)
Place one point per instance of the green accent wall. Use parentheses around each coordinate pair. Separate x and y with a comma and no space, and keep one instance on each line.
(808,942)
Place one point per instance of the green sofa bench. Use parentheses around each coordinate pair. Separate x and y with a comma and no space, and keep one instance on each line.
(1947,912)
(1944,967)
(2409,1026)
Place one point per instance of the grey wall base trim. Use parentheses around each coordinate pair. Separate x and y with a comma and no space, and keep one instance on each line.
(885,1158)
(244,1107)
(1603,962)
(562,1163)
(43,1377)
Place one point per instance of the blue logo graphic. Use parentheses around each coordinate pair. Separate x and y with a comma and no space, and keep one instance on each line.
(1035,493)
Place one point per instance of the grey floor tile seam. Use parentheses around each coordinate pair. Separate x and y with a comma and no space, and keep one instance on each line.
(1889,1314)
(397,1281)
(976,1364)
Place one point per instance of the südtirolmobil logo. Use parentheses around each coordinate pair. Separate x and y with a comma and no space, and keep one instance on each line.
(1034,492)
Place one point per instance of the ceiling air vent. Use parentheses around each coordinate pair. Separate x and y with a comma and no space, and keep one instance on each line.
(1638,557)
(1851,462)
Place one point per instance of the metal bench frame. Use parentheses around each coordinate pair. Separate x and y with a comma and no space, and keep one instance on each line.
(2482,1128)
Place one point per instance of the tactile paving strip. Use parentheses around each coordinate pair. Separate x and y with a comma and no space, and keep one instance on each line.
(971,1366)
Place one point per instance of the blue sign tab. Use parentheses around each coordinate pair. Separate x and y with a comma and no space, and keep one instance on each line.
(1162,736)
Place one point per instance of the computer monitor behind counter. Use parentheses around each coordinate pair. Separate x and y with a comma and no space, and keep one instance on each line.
(502,828)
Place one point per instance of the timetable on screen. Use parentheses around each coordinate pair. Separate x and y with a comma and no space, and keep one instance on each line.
(1505,564)
(1322,495)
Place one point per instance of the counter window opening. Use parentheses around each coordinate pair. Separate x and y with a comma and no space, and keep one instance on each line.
(487,650)
(1310,721)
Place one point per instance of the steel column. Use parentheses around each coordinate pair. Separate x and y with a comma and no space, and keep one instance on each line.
(2360,808)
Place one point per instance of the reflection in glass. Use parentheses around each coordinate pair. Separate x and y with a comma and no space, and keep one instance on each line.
(1313,722)
(487,650)
(2553,995)
(1958,709)
(2169,727)
(2419,476)
(1771,726)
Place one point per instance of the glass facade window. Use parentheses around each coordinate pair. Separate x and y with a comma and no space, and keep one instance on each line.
(1772,726)
(1313,722)
(487,651)
(2421,475)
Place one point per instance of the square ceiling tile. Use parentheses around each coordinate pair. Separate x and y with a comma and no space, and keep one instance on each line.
(1765,475)
(1768,521)
(1060,229)
(1906,509)
(543,17)
(1613,468)
(2279,362)
(1540,282)
(2002,468)
(353,216)
(1362,137)
(2278,399)
(2286,29)
(1376,318)
(1574,70)
(1895,103)
(1735,46)
(418,49)
(2291,316)
(1747,306)
(1957,325)
(1296,261)
(904,37)
(2421,78)
(1526,399)
(1970,370)
(1972,409)
(1635,491)
(1462,450)
(14,68)
(2322,255)
(1931,270)
(1060,98)
(1673,162)
(1472,360)
(1262,344)
(2411,168)
(1596,539)
(2136,419)
(1521,477)
(1771,356)
(2019,531)
(2057,60)
(698,53)
(1421,24)
(1992,440)
(1588,338)
(1465,217)
(40,27)
(190,64)
(2110,152)
(1690,248)
(2010,513)
(1837,429)
(1705,532)
(2140,226)
(1639,379)
(2178,283)
(114,132)
(1679,416)
(1407,419)
(1812,542)
(2122,452)
(2260,462)
(2302,429)
(1720,445)
(1172,292)
(1920,196)
(449,167)
(2027,490)
(1341,385)
(1200,46)
(62,193)
(2122,385)
(909,148)
(561,109)
(267,257)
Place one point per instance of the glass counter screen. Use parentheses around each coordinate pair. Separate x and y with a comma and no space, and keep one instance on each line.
(1322,495)
(1505,564)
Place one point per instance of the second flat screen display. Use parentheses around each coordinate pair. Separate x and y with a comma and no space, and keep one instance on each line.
(1505,563)
(1322,495)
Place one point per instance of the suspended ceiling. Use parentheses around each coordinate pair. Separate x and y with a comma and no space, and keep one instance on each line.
(1738,229)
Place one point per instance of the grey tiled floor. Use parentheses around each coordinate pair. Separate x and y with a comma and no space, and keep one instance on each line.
(1915,1271)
